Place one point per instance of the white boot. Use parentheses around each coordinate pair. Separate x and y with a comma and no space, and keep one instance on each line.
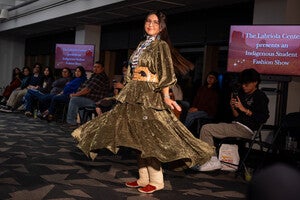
(143,172)
(155,175)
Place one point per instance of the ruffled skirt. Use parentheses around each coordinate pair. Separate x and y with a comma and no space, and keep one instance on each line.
(155,133)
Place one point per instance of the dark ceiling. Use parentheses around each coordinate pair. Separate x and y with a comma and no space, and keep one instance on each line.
(114,13)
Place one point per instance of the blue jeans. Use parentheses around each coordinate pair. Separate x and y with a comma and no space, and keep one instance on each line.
(74,105)
(57,99)
(32,96)
(44,101)
(191,116)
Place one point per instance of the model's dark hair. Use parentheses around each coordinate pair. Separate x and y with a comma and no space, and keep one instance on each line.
(249,75)
(181,65)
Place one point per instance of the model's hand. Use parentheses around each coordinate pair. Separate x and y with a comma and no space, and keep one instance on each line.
(173,104)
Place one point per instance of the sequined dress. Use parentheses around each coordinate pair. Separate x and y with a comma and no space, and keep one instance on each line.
(141,120)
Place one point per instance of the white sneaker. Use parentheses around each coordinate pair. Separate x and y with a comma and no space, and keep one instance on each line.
(21,108)
(212,164)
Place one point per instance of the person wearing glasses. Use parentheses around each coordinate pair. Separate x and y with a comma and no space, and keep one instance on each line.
(143,119)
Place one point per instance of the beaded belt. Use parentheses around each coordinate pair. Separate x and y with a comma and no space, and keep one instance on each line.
(143,74)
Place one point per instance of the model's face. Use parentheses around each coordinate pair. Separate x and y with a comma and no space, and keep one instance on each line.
(249,87)
(152,27)
(98,68)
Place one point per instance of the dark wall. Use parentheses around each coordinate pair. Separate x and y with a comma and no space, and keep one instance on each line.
(45,45)
(210,26)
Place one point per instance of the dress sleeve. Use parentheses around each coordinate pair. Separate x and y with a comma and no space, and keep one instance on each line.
(165,69)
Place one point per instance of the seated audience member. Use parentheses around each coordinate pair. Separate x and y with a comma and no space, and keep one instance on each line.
(92,91)
(49,86)
(59,84)
(33,94)
(205,103)
(14,84)
(107,103)
(63,97)
(250,110)
(16,97)
(118,85)
(176,94)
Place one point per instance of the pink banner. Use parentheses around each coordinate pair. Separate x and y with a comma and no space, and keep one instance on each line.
(73,55)
(268,49)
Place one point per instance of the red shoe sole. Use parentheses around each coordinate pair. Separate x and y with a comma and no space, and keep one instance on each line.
(148,189)
(133,184)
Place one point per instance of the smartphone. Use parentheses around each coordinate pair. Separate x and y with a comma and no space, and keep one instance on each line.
(235,94)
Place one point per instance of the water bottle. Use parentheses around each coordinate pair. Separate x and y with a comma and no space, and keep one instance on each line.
(35,113)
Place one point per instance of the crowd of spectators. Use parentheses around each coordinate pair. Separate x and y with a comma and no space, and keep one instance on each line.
(41,94)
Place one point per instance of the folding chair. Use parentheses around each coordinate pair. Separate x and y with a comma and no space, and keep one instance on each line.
(242,143)
(61,112)
(87,114)
(289,126)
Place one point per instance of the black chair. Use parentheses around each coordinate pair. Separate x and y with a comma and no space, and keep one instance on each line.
(245,147)
(88,113)
(61,112)
(289,126)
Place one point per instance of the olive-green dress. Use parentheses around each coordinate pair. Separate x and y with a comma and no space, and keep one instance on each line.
(141,120)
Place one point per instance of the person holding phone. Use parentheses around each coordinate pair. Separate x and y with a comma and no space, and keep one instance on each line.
(249,108)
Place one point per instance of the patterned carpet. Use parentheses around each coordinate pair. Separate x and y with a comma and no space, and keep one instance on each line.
(39,160)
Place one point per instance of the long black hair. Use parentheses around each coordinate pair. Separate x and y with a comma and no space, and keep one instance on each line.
(181,65)
(81,68)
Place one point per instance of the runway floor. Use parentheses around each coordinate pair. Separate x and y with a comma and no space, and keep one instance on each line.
(40,160)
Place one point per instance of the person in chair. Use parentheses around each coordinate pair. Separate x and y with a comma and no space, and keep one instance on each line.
(249,108)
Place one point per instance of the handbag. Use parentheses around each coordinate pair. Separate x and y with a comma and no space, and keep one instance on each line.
(229,157)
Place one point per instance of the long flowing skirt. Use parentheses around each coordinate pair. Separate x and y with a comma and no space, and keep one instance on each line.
(155,133)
